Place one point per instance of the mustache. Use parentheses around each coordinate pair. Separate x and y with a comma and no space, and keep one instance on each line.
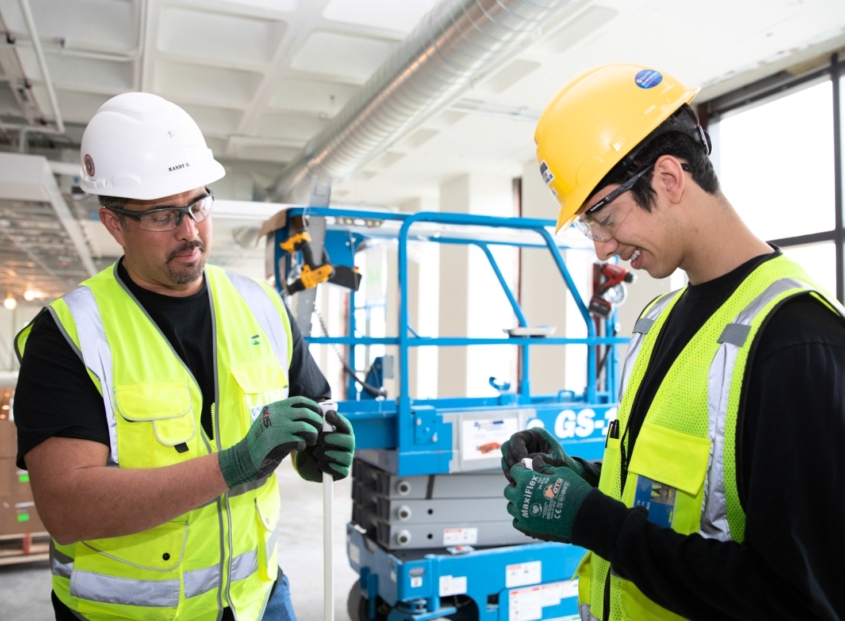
(186,247)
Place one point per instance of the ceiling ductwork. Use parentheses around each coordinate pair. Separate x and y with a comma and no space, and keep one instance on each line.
(456,43)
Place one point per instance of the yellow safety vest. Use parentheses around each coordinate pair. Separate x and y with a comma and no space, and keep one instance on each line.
(220,554)
(687,442)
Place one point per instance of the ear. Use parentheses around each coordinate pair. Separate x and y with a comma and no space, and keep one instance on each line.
(669,178)
(112,224)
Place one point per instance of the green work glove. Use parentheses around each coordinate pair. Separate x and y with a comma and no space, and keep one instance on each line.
(544,504)
(533,442)
(332,453)
(281,427)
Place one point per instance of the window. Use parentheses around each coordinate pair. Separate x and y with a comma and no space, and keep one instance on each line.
(777,153)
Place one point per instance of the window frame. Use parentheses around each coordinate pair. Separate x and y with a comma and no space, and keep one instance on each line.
(780,85)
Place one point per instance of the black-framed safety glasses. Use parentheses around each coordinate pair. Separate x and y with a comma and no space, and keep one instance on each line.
(602,230)
(170,217)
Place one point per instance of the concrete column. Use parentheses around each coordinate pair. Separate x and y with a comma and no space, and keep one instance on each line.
(546,300)
(471,300)
(423,296)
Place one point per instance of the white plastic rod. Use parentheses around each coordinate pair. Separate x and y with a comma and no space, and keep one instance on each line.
(328,491)
(328,578)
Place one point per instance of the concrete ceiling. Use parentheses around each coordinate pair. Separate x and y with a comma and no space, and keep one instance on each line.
(262,77)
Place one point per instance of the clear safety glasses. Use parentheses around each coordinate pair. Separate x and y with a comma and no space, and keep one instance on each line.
(170,217)
(601,227)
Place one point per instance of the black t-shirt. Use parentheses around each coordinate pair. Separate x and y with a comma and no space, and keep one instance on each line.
(791,473)
(56,397)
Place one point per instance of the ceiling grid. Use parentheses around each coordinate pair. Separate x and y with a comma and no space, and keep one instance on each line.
(263,77)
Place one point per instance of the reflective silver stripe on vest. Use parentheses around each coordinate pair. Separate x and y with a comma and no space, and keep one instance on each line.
(271,545)
(244,565)
(60,564)
(714,513)
(266,313)
(95,351)
(641,328)
(586,615)
(246,487)
(199,581)
(111,590)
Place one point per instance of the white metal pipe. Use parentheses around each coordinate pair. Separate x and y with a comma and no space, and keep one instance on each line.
(42,63)
(57,49)
(19,127)
(65,168)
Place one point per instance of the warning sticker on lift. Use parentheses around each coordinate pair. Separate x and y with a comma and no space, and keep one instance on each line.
(523,573)
(459,536)
(452,585)
(527,604)
(482,439)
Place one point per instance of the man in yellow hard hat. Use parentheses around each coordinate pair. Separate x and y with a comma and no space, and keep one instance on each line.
(156,400)
(720,492)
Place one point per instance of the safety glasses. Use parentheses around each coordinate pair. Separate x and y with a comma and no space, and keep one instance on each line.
(600,228)
(168,218)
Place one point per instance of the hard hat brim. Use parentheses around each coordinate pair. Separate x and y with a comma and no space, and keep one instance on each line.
(173,183)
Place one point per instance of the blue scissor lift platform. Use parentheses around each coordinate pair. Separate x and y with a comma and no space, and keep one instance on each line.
(427,444)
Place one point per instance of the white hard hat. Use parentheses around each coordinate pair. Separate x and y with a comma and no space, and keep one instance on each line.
(143,147)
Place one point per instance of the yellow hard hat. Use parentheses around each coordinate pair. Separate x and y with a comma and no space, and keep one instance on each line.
(595,121)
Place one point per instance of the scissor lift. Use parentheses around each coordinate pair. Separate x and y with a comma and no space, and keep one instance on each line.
(413,455)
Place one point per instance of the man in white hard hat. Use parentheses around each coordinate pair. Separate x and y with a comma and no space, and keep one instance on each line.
(156,399)
(720,492)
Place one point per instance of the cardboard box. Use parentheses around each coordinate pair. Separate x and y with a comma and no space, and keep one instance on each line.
(13,481)
(18,516)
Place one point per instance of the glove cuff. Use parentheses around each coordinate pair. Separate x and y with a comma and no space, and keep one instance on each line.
(236,465)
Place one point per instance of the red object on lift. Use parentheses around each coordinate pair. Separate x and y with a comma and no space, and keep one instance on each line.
(608,287)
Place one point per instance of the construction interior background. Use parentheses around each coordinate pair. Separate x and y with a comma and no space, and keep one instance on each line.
(271,83)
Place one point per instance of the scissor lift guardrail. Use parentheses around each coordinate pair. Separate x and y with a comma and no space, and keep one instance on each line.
(419,567)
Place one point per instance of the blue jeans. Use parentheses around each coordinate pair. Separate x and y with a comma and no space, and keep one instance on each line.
(280,608)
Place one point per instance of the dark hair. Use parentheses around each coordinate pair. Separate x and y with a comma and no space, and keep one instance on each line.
(678,136)
(115,201)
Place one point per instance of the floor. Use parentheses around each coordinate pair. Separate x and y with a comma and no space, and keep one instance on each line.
(25,588)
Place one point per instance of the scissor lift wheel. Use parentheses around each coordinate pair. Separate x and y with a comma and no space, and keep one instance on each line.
(357,606)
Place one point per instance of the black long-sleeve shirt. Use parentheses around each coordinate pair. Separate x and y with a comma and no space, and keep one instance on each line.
(791,476)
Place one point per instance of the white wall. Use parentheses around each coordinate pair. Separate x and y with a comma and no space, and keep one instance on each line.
(423,304)
(547,301)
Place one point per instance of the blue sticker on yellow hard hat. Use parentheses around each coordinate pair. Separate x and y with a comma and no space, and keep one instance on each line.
(648,78)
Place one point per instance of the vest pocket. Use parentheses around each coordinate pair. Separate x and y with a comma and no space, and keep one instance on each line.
(637,607)
(666,475)
(135,576)
(261,382)
(267,510)
(584,575)
(166,405)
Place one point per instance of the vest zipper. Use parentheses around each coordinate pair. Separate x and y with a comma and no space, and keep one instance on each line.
(606,606)
(623,461)
(224,514)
